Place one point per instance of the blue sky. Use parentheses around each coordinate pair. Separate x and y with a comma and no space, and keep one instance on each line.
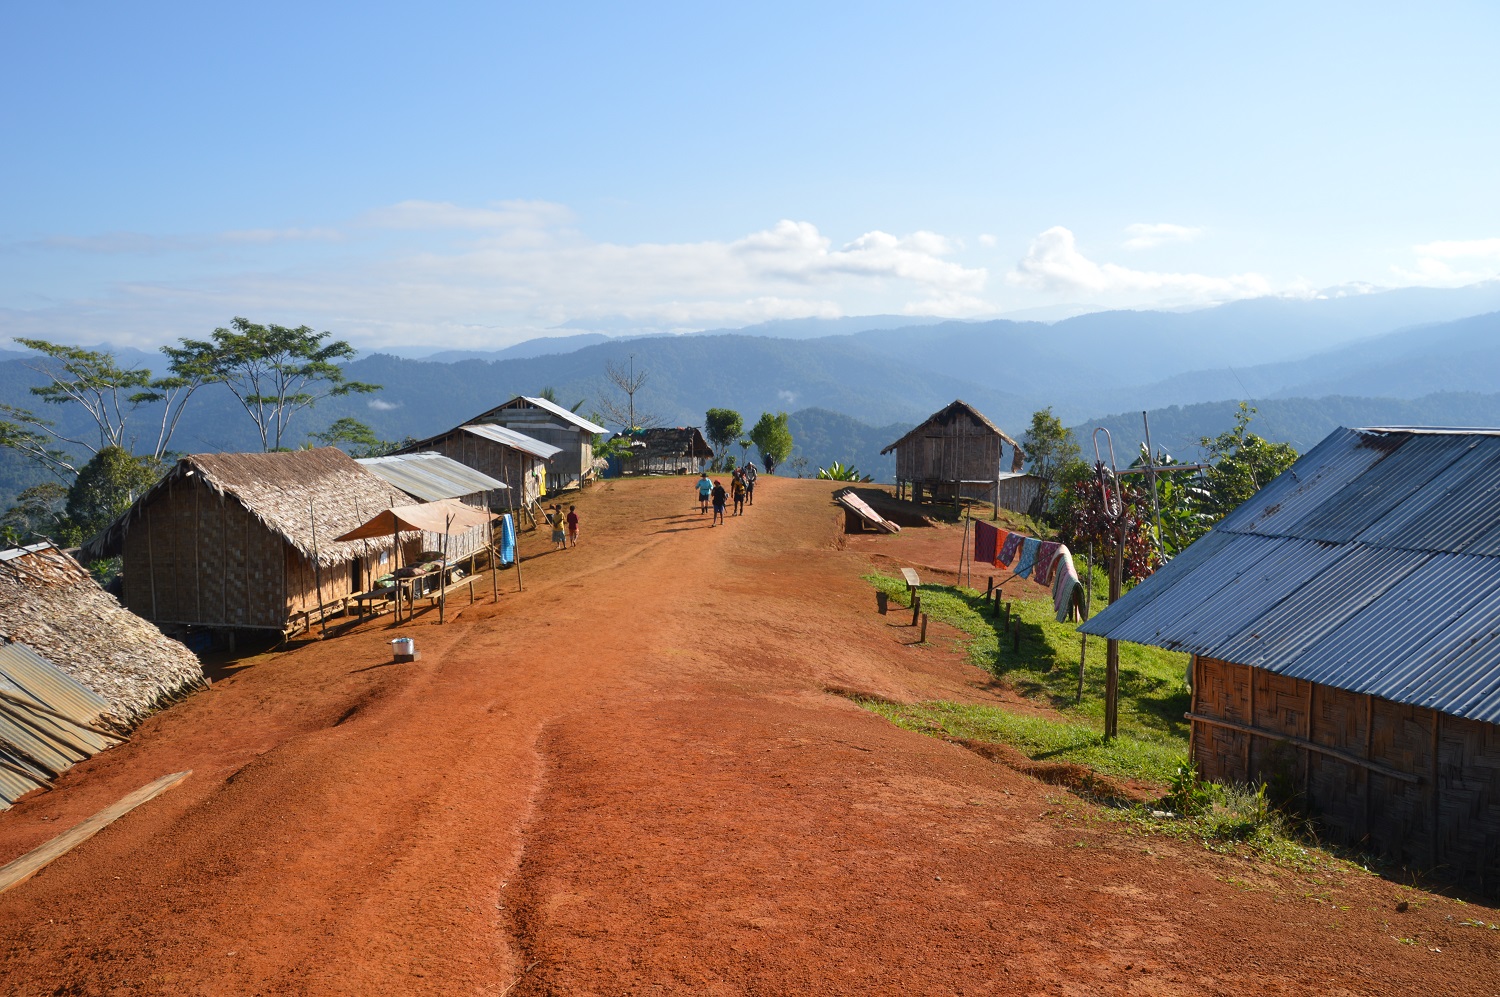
(477,174)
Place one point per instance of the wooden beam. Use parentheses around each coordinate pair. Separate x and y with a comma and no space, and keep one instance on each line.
(1342,756)
(34,861)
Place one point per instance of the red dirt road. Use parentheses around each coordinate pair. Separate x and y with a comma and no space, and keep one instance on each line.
(631,778)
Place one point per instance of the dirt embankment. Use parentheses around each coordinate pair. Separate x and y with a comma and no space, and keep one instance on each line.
(629,778)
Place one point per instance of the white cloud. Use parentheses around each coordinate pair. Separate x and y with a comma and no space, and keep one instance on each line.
(1144,236)
(987,241)
(1453,262)
(789,397)
(1054,264)
(380,405)
(441,273)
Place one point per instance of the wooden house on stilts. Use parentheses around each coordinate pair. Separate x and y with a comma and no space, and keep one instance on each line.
(245,540)
(956,453)
(508,456)
(573,465)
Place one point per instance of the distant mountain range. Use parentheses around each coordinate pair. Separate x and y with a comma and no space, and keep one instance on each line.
(853,385)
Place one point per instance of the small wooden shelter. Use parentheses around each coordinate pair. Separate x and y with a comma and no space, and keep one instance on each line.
(245,541)
(667,450)
(513,458)
(50,605)
(1344,625)
(573,464)
(956,453)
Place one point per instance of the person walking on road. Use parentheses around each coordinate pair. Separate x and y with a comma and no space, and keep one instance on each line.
(719,496)
(572,526)
(559,538)
(737,489)
(705,487)
(750,475)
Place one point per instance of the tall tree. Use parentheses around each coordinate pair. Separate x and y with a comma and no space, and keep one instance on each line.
(107,392)
(1051,453)
(629,381)
(274,372)
(773,439)
(105,487)
(722,426)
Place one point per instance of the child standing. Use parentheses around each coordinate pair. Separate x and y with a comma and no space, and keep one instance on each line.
(573,525)
(559,538)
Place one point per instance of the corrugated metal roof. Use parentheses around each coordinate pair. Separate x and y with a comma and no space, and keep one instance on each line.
(431,477)
(1372,565)
(35,743)
(514,440)
(564,414)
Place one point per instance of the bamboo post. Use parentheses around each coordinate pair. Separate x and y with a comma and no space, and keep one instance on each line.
(317,570)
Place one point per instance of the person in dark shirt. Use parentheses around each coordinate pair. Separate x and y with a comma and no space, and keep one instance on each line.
(719,496)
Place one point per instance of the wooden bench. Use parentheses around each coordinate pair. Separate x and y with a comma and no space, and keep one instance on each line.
(912,581)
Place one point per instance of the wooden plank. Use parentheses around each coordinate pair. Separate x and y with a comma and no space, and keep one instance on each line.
(34,861)
(1322,749)
(910,574)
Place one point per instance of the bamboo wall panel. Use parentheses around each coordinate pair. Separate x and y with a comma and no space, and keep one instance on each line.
(499,462)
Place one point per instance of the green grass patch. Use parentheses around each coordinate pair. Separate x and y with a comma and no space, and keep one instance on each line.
(1152,743)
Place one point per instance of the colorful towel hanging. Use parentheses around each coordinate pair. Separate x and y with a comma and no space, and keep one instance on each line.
(1030,546)
(986,542)
(1042,573)
(1009,547)
(1067,590)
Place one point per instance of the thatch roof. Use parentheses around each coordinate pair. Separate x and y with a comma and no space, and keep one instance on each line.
(664,441)
(49,603)
(945,416)
(303,495)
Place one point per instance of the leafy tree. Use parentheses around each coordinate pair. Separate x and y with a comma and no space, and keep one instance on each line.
(798,464)
(722,426)
(1049,445)
(1243,463)
(38,512)
(773,439)
(109,393)
(357,439)
(104,488)
(272,370)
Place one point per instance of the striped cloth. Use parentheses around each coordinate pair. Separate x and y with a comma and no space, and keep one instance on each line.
(1067,590)
(1030,546)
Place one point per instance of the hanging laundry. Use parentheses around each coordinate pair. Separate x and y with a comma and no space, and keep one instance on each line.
(1009,547)
(986,542)
(1042,573)
(1067,590)
(1029,548)
(507,540)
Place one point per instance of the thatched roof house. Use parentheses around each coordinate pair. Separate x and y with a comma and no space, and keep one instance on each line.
(550,423)
(51,605)
(1345,631)
(955,452)
(668,450)
(508,456)
(246,540)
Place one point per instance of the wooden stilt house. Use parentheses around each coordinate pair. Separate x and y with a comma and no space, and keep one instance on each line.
(431,477)
(668,450)
(245,541)
(513,458)
(955,453)
(1344,625)
(573,435)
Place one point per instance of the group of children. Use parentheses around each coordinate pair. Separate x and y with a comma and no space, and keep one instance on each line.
(562,540)
(741,488)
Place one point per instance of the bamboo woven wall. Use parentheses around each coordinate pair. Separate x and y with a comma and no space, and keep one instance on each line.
(961,450)
(194,556)
(1407,782)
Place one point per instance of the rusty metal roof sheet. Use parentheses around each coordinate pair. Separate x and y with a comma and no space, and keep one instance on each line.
(431,477)
(1372,565)
(36,742)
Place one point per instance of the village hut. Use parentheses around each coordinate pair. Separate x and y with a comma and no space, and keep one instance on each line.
(549,422)
(431,477)
(667,450)
(1344,627)
(245,541)
(515,459)
(1021,491)
(956,453)
(51,608)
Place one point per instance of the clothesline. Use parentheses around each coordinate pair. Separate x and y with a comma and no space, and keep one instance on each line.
(1045,562)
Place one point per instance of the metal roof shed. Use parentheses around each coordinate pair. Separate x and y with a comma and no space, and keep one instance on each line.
(1345,627)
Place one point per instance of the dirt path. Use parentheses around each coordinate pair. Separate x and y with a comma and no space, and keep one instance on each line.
(630,778)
